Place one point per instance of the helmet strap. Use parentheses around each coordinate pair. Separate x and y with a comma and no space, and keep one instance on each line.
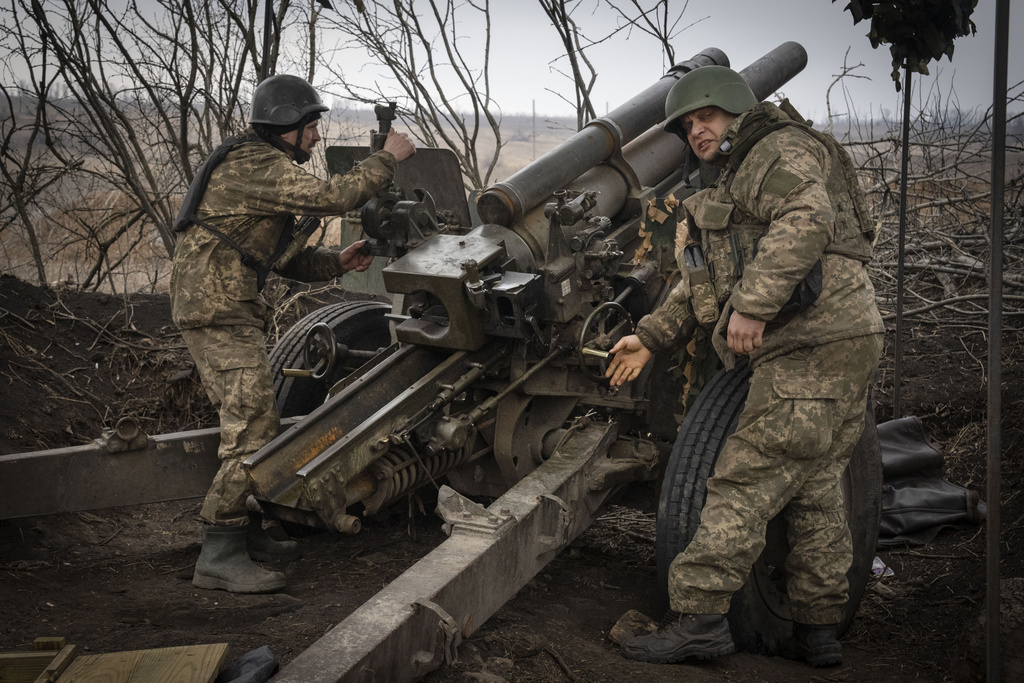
(298,154)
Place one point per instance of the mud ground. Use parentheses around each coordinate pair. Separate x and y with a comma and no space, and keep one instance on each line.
(72,363)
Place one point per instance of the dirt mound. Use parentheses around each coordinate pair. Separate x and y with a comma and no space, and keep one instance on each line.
(72,363)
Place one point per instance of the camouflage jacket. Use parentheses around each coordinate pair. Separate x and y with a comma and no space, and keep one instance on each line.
(250,197)
(762,227)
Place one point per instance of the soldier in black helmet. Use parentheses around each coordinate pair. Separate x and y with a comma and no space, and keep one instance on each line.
(773,259)
(235,226)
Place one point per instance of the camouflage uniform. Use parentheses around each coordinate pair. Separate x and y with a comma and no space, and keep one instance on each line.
(215,302)
(772,215)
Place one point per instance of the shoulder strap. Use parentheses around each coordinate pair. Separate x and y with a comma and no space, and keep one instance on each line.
(194,195)
(187,214)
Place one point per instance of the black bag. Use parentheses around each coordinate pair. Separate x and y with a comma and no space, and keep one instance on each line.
(916,502)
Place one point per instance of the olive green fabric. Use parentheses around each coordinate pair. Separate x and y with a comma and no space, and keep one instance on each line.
(804,415)
(250,197)
(782,204)
(233,365)
(790,232)
(214,299)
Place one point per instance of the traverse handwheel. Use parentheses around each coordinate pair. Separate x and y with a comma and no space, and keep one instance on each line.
(320,351)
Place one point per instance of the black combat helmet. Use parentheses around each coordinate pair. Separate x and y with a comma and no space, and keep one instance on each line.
(284,100)
(707,86)
(284,103)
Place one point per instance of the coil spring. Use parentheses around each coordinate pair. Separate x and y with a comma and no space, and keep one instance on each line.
(409,471)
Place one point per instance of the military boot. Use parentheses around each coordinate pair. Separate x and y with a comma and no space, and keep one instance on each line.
(263,548)
(817,645)
(224,563)
(680,636)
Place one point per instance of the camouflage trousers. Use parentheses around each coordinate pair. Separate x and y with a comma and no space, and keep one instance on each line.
(233,364)
(803,417)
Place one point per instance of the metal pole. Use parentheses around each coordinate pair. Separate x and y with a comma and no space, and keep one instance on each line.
(995,326)
(898,378)
(268,27)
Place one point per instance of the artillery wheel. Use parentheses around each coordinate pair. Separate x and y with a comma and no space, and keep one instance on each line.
(356,324)
(759,615)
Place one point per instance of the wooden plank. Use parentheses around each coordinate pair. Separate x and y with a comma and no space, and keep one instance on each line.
(189,664)
(58,664)
(48,643)
(23,667)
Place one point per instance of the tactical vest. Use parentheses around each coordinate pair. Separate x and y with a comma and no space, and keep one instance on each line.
(854,230)
(728,237)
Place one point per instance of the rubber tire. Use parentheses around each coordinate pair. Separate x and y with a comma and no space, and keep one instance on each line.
(759,614)
(356,324)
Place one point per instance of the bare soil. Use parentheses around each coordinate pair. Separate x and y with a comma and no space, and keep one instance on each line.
(72,363)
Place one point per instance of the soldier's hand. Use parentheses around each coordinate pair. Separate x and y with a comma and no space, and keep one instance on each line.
(351,258)
(629,356)
(399,144)
(744,334)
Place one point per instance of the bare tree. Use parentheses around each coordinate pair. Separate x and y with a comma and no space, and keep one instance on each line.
(428,66)
(581,71)
(948,199)
(659,20)
(31,162)
(147,91)
(135,106)
(840,79)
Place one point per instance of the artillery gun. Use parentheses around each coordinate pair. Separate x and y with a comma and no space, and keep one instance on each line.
(486,370)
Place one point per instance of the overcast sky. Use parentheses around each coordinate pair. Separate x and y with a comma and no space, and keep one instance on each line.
(525,50)
(524,44)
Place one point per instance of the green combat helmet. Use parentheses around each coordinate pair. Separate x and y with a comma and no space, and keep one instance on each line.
(707,86)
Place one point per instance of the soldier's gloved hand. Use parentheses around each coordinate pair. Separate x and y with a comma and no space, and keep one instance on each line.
(352,258)
(399,144)
(629,358)
(744,334)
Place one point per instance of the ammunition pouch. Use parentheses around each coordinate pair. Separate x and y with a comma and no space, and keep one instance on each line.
(718,260)
(732,245)
(730,237)
(702,291)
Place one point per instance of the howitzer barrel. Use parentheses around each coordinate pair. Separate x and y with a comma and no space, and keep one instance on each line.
(775,69)
(652,154)
(505,202)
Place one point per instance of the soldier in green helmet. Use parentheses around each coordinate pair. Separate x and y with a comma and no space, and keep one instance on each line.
(775,255)
(235,226)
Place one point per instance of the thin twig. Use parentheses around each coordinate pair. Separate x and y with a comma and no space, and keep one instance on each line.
(561,662)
